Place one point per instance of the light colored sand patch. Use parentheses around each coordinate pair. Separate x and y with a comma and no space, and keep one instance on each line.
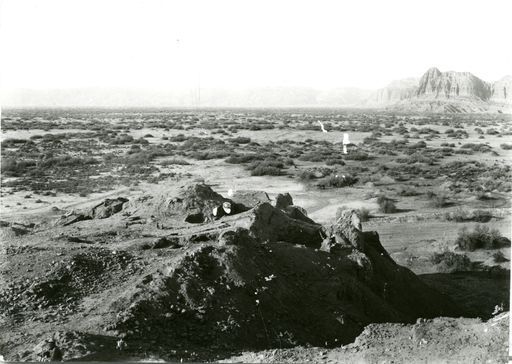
(26,134)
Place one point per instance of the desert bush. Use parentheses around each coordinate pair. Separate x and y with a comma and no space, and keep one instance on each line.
(386,205)
(240,140)
(235,158)
(364,214)
(333,161)
(476,147)
(461,215)
(12,167)
(66,161)
(506,146)
(307,175)
(336,181)
(451,145)
(499,257)
(216,154)
(407,191)
(482,237)
(419,145)
(266,171)
(178,138)
(174,161)
(314,173)
(438,201)
(357,156)
(448,262)
(266,168)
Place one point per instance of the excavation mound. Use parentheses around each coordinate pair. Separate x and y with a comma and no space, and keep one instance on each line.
(258,278)
(192,204)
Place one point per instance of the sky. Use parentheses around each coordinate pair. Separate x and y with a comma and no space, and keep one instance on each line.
(166,44)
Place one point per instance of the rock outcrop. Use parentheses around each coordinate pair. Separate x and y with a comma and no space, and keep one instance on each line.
(436,91)
(501,91)
(448,85)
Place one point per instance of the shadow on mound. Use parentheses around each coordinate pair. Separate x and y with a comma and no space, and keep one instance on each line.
(478,292)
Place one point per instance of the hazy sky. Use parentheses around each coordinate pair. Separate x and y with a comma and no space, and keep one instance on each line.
(236,44)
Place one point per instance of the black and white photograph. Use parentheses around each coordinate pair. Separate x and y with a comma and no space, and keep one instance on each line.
(255,181)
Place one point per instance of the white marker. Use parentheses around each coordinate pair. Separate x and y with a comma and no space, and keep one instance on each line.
(346,142)
(322,126)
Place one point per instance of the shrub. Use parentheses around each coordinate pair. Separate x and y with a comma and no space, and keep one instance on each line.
(386,205)
(481,216)
(407,191)
(174,161)
(334,161)
(439,201)
(336,181)
(364,214)
(266,168)
(506,146)
(461,215)
(262,170)
(243,158)
(476,147)
(240,140)
(480,238)
(499,257)
(451,262)
(178,138)
(357,156)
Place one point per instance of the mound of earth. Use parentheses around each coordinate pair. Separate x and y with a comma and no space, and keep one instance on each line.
(192,204)
(441,340)
(146,281)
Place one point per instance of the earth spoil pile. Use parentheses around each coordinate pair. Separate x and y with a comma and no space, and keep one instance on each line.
(263,277)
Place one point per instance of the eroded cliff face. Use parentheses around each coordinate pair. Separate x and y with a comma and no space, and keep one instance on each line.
(437,84)
(450,91)
(502,90)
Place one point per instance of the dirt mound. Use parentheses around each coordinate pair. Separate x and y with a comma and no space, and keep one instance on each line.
(251,288)
(249,280)
(105,209)
(427,341)
(267,223)
(249,198)
(192,204)
(72,345)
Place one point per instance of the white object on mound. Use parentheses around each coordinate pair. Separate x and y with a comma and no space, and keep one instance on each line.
(322,126)
(231,192)
(226,206)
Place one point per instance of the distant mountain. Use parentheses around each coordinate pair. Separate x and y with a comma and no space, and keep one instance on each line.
(448,85)
(394,92)
(435,91)
(502,90)
(450,91)
(205,97)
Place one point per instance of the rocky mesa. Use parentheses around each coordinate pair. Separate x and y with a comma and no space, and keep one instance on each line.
(449,91)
